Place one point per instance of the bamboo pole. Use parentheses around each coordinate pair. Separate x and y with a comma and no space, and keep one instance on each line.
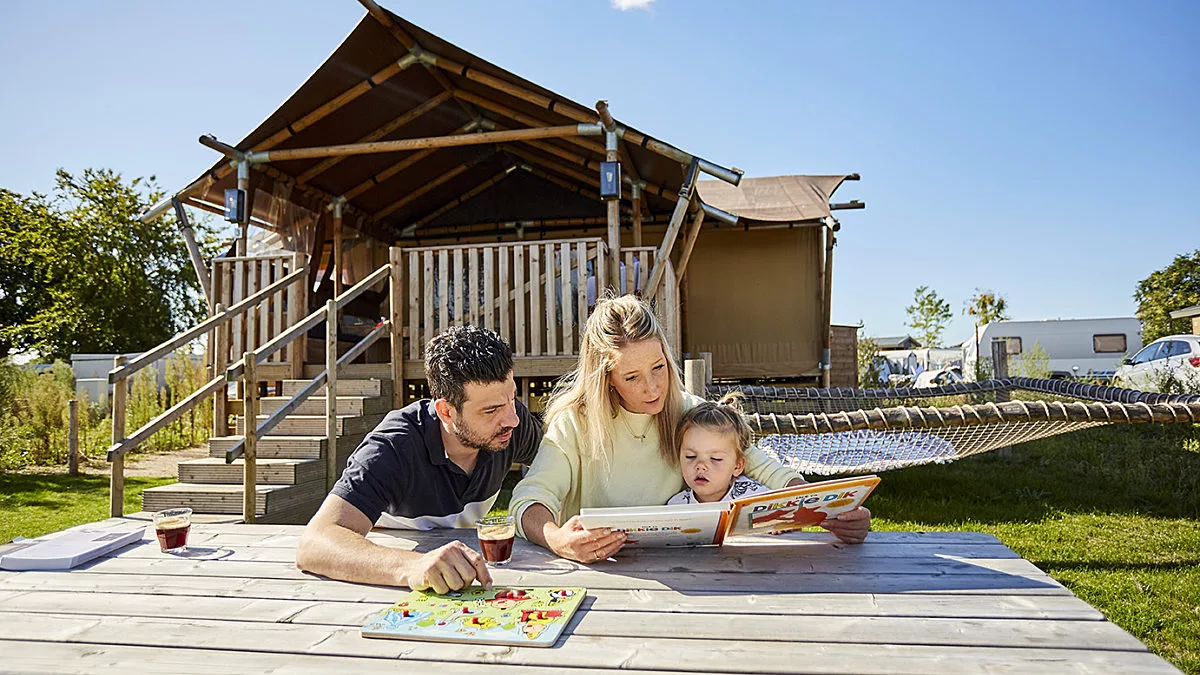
(689,243)
(189,240)
(629,172)
(220,363)
(662,258)
(636,197)
(574,159)
(396,313)
(73,437)
(250,434)
(585,142)
(826,310)
(612,205)
(336,207)
(331,377)
(408,144)
(116,480)
(385,130)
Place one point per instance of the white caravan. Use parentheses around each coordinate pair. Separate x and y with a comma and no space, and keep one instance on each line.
(1075,347)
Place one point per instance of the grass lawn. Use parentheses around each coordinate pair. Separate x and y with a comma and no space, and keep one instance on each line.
(35,504)
(1113,513)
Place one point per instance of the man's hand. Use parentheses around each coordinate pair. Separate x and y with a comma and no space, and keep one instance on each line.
(586,546)
(447,568)
(851,526)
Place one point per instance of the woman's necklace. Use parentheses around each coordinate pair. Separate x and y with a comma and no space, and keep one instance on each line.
(645,432)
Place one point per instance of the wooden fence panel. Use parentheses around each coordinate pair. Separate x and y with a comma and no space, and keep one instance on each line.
(535,300)
(519,298)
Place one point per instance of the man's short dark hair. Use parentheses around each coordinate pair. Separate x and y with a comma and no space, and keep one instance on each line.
(465,354)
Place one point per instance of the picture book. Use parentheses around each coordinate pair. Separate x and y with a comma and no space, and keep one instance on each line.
(523,617)
(65,550)
(773,512)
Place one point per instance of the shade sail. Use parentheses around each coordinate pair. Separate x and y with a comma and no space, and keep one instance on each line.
(773,199)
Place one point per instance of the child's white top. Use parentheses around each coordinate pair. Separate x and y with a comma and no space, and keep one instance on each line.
(741,486)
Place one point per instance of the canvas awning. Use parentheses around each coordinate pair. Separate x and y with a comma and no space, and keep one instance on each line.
(774,199)
(398,81)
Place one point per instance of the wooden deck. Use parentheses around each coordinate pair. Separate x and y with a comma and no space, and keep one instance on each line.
(901,603)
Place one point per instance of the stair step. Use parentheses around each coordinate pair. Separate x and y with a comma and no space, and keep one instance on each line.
(312,425)
(227,499)
(354,371)
(286,447)
(212,470)
(315,405)
(345,387)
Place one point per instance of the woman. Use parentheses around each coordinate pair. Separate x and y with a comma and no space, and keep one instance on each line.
(610,438)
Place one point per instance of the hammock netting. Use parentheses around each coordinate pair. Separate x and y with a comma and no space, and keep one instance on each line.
(833,431)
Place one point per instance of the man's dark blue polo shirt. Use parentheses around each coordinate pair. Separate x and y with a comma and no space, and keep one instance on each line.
(400,476)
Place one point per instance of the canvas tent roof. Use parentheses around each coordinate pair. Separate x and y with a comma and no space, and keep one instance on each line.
(359,92)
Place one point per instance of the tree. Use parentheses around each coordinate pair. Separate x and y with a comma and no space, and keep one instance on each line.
(90,276)
(928,316)
(985,307)
(1174,287)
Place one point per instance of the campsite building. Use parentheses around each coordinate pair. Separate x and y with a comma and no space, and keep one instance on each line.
(424,187)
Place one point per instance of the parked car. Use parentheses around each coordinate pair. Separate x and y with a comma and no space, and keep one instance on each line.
(1169,363)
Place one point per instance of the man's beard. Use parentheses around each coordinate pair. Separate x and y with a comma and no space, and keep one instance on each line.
(470,439)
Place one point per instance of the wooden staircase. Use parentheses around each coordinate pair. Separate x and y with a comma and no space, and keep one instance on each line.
(291,460)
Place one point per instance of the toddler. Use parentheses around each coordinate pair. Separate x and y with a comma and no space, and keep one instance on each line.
(713,440)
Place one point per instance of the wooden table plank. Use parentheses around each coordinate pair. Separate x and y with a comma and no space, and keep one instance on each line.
(1059,634)
(1059,606)
(29,656)
(576,650)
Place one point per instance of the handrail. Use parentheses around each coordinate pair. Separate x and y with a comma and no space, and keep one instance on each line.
(265,427)
(173,413)
(508,244)
(214,321)
(235,371)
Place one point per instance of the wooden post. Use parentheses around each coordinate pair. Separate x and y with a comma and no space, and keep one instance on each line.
(826,302)
(297,309)
(243,183)
(637,213)
(693,376)
(189,240)
(708,367)
(220,363)
(662,256)
(613,207)
(116,480)
(689,243)
(72,437)
(250,454)
(396,295)
(1000,372)
(330,394)
(337,247)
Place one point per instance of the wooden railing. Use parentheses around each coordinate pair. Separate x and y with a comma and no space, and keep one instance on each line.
(241,277)
(216,326)
(536,295)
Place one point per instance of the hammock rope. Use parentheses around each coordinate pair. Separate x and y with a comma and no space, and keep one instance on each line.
(828,431)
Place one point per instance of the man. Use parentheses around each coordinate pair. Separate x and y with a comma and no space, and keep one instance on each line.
(434,463)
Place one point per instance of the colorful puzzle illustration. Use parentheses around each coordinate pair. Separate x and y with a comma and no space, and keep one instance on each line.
(530,617)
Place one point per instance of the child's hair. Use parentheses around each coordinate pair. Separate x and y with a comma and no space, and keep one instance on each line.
(722,416)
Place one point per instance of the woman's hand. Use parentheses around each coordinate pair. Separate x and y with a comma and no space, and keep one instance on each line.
(574,542)
(851,526)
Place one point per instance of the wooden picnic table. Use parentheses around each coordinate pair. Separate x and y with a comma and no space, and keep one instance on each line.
(800,603)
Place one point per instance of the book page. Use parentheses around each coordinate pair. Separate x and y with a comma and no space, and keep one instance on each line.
(682,525)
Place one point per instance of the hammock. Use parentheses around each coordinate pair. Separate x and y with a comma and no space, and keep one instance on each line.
(831,431)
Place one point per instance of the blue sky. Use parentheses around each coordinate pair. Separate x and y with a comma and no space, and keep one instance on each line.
(1047,151)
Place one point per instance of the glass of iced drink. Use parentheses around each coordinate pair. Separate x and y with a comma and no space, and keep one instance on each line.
(496,535)
(172,527)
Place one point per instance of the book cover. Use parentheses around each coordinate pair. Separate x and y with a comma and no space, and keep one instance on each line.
(771,512)
(681,525)
(797,507)
(523,617)
(68,549)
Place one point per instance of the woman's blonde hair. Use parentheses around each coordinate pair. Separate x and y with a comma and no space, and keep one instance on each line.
(616,322)
(724,416)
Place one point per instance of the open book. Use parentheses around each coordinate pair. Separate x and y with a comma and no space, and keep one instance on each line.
(771,512)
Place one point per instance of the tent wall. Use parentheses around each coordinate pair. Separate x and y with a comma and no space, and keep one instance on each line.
(754,301)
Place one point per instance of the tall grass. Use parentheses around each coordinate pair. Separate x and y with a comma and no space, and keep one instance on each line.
(33,413)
